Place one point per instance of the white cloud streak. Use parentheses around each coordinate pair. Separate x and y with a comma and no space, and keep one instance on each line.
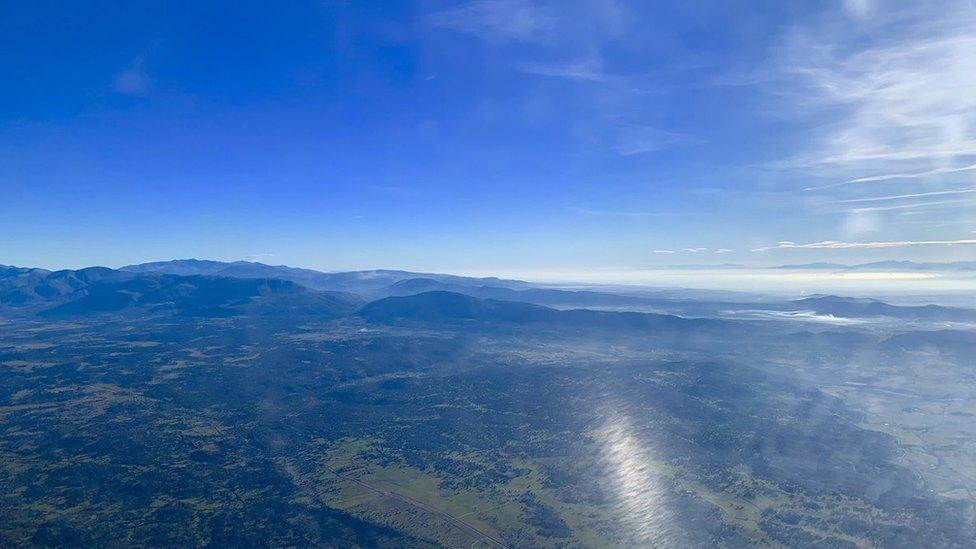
(927,174)
(916,175)
(838,245)
(917,205)
(634,140)
(588,69)
(904,196)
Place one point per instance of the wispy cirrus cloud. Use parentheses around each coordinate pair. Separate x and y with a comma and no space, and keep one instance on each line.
(634,140)
(942,204)
(499,20)
(840,245)
(888,98)
(586,69)
(915,175)
(577,30)
(569,41)
(905,196)
(134,80)
(904,101)
(927,174)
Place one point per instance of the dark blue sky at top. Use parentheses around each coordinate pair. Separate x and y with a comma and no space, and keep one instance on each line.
(478,135)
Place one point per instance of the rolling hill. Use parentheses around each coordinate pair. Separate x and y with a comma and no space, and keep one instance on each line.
(101,290)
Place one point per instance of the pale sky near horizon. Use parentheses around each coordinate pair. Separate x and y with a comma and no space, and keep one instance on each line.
(488,135)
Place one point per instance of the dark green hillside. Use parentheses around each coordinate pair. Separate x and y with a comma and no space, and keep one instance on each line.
(208,296)
(441,306)
(102,290)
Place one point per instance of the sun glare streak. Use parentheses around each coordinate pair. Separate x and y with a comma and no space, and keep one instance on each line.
(640,491)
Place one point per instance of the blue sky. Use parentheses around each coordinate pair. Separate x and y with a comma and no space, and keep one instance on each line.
(488,134)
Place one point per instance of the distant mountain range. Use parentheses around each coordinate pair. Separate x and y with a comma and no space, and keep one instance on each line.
(889,266)
(367,283)
(100,290)
(215,289)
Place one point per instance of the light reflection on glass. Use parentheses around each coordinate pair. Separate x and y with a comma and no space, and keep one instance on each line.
(639,491)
